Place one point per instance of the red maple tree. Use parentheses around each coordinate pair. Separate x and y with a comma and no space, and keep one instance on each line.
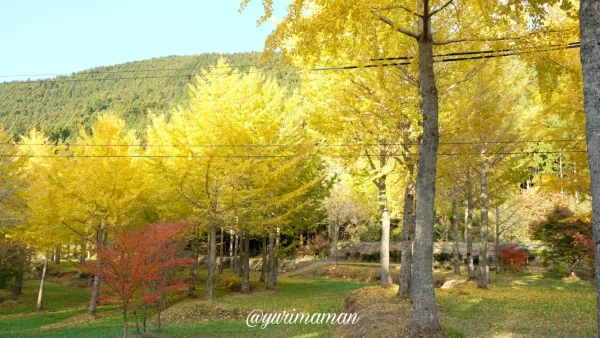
(135,259)
(512,258)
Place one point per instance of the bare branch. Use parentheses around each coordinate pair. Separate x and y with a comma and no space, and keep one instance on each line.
(75,231)
(467,77)
(370,160)
(401,7)
(441,8)
(489,39)
(390,23)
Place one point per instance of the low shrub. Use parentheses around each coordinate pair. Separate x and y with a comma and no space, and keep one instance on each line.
(442,257)
(5,295)
(396,256)
(234,283)
(318,246)
(512,258)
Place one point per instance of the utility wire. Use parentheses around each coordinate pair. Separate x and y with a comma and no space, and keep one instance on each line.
(487,54)
(570,45)
(94,72)
(446,57)
(265,145)
(189,76)
(283,156)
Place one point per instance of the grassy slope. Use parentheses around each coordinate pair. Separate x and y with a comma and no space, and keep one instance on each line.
(304,294)
(527,305)
(523,305)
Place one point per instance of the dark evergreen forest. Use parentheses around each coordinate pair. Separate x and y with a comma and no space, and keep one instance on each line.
(130,90)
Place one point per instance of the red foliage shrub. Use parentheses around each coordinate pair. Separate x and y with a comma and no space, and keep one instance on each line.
(566,236)
(316,246)
(512,258)
(136,259)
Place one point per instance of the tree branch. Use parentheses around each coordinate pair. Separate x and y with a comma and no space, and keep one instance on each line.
(401,7)
(484,39)
(390,23)
(75,231)
(441,8)
(466,78)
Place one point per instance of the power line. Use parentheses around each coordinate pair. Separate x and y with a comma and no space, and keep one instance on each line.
(189,76)
(265,145)
(570,45)
(487,54)
(93,72)
(285,156)
(446,57)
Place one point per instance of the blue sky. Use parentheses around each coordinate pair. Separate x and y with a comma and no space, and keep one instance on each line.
(65,36)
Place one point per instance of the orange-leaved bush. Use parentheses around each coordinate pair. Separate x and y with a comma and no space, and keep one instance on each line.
(512,258)
(135,259)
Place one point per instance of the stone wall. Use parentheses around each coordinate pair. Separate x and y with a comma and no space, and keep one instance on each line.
(369,248)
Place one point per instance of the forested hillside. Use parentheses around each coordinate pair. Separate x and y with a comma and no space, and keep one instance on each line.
(129,90)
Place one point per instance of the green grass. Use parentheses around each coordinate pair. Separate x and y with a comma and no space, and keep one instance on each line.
(528,305)
(303,294)
(56,297)
(63,302)
(521,305)
(239,329)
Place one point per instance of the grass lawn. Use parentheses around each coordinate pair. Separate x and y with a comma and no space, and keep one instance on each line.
(517,305)
(521,305)
(65,304)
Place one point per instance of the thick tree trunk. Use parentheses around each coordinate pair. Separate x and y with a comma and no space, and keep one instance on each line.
(484,272)
(145,317)
(41,292)
(455,231)
(497,248)
(158,320)
(221,253)
(18,287)
(384,251)
(124,319)
(425,319)
(276,256)
(264,268)
(194,266)
(408,233)
(212,257)
(137,322)
(336,230)
(231,238)
(236,254)
(57,254)
(469,227)
(82,253)
(100,238)
(242,253)
(95,294)
(246,264)
(590,61)
(272,277)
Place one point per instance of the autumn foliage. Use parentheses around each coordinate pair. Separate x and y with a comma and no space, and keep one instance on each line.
(316,246)
(566,236)
(133,265)
(512,258)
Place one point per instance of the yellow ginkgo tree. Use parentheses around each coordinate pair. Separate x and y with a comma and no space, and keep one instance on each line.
(222,145)
(89,187)
(374,130)
(320,32)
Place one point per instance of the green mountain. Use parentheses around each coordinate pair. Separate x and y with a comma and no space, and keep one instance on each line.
(58,105)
